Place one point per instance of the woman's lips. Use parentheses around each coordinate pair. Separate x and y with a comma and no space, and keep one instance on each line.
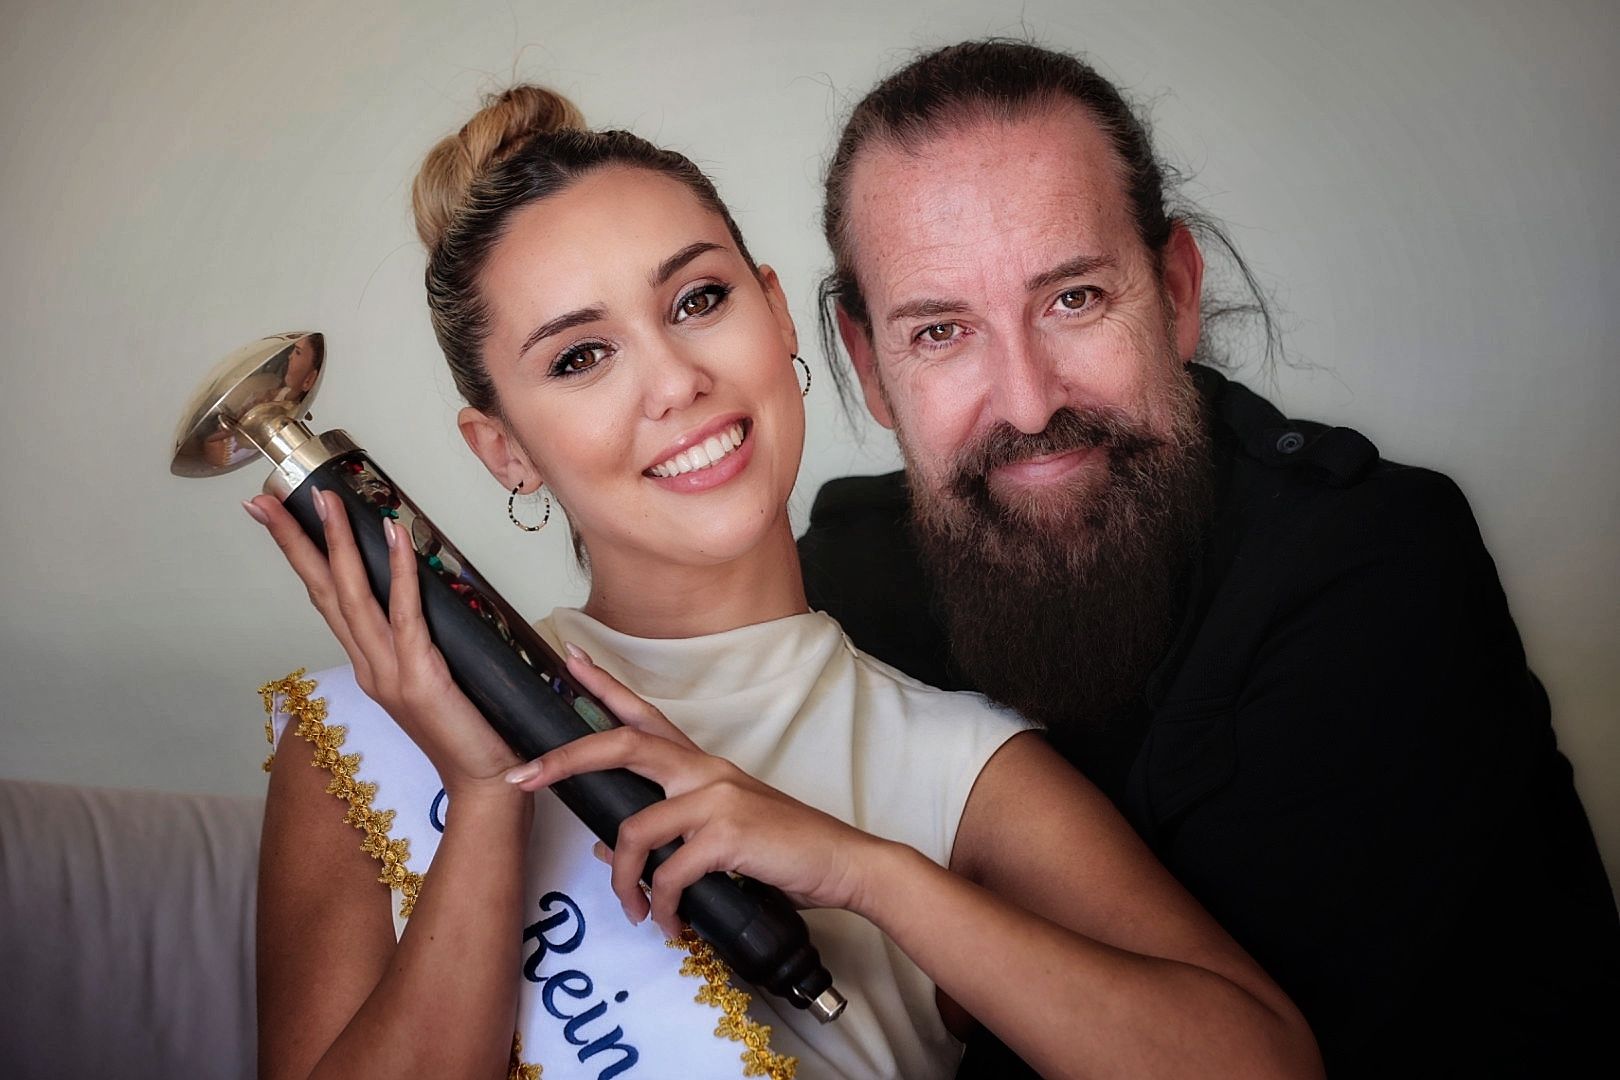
(701,453)
(707,464)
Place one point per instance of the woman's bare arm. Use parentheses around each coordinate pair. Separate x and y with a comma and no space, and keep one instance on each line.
(1057,929)
(1055,926)
(337,996)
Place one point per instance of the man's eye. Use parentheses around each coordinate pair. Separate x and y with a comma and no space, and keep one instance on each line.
(939,332)
(1077,299)
(700,301)
(580,358)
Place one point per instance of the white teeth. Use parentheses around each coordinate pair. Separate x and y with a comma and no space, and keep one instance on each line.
(703,455)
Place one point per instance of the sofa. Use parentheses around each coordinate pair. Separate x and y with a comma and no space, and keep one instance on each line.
(126,933)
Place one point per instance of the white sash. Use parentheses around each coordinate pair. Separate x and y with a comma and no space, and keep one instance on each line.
(598,998)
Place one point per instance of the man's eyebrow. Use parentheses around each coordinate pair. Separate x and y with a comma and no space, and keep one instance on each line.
(577,317)
(915,309)
(669,266)
(1079,266)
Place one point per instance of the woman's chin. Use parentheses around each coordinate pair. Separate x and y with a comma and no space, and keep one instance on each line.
(714,541)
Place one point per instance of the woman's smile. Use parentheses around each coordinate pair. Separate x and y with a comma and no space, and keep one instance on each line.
(706,457)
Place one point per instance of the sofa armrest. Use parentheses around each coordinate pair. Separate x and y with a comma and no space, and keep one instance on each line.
(126,932)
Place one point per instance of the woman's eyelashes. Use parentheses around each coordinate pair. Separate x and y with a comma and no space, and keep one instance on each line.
(578,359)
(701,302)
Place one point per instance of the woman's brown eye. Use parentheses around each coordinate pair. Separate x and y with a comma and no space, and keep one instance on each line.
(696,304)
(940,332)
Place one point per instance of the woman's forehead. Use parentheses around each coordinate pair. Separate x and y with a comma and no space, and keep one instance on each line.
(616,213)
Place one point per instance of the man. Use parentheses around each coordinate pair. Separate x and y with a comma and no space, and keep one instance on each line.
(1288,662)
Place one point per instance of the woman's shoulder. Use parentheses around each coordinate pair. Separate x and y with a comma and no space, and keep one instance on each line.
(329,696)
(919,700)
(329,710)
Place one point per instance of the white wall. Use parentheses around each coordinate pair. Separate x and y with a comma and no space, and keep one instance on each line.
(1431,189)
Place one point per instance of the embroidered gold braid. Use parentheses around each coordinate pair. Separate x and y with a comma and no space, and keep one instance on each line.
(310,713)
(735,1023)
(701,962)
(516,1069)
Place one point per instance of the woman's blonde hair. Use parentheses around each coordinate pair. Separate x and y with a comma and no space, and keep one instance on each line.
(495,132)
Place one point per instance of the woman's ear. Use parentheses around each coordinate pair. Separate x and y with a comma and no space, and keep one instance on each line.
(494,445)
(775,297)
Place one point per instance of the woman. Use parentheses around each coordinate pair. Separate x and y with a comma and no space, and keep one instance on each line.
(617,344)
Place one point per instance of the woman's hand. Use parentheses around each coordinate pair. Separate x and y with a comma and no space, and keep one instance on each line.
(726,818)
(395,662)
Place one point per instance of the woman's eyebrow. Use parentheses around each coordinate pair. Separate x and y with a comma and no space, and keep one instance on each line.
(669,266)
(580,316)
(577,317)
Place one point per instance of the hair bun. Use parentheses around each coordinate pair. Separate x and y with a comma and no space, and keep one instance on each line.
(505,122)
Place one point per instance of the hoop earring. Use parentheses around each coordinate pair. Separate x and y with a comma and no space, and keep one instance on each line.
(511,509)
(797,359)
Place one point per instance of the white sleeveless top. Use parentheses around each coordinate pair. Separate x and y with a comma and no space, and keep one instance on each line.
(791,702)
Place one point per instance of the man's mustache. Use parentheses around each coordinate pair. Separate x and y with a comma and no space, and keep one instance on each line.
(1069,429)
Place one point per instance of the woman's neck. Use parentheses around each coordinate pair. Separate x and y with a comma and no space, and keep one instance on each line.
(643,598)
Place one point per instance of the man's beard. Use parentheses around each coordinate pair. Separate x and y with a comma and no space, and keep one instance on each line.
(1060,603)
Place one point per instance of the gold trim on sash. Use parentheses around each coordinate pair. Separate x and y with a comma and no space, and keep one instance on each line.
(515,1068)
(310,713)
(701,962)
(735,1023)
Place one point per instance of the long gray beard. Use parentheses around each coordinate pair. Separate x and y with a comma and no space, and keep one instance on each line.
(1062,610)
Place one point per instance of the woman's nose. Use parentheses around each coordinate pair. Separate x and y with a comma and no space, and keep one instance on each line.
(675,377)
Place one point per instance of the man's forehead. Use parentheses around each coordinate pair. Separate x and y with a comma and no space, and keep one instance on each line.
(1027,190)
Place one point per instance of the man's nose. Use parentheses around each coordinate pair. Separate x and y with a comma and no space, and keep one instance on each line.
(1027,387)
(675,377)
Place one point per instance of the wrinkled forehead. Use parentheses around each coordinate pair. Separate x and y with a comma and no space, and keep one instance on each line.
(984,192)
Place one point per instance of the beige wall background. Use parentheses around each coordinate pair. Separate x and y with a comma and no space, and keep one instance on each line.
(1430,189)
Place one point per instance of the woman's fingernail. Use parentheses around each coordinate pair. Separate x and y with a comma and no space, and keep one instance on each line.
(576,653)
(600,850)
(319,499)
(255,513)
(390,533)
(519,773)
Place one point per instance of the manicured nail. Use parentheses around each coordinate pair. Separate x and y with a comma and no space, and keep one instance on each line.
(519,773)
(576,653)
(255,513)
(390,533)
(601,851)
(319,498)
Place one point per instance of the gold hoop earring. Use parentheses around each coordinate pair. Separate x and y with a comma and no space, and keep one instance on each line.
(511,509)
(797,359)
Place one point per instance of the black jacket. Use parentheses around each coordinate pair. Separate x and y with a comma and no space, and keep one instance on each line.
(1343,756)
